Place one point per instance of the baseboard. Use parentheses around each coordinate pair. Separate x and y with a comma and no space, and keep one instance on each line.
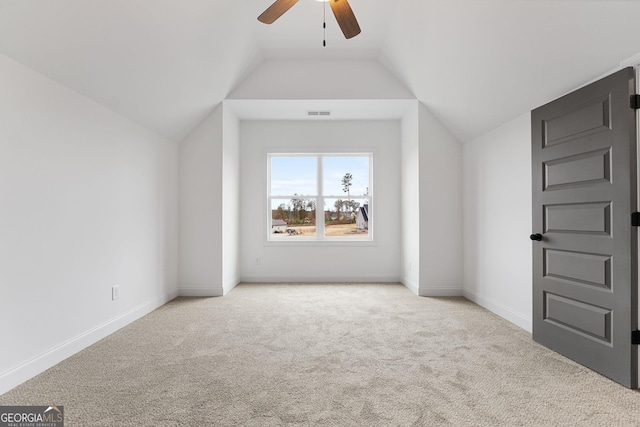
(38,364)
(319,279)
(499,309)
(440,291)
(228,287)
(217,291)
(411,285)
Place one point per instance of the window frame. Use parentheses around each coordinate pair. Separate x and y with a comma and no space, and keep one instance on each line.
(319,198)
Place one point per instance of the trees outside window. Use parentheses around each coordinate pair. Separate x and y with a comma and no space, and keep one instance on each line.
(337,185)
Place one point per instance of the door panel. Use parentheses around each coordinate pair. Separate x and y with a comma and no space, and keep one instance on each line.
(584,191)
(583,119)
(578,218)
(579,317)
(578,268)
(583,169)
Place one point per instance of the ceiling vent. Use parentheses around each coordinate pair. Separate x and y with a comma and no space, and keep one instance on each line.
(319,113)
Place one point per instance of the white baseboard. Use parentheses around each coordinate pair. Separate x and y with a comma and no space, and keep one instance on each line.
(319,279)
(217,291)
(501,310)
(228,287)
(411,285)
(57,354)
(440,291)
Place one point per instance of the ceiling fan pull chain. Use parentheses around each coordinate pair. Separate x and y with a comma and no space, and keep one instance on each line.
(324,25)
(324,37)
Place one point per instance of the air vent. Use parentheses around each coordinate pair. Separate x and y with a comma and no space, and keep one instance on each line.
(318,113)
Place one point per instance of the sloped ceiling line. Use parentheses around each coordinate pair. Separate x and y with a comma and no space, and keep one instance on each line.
(476,64)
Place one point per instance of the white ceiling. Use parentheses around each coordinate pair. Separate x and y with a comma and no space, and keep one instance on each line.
(166,64)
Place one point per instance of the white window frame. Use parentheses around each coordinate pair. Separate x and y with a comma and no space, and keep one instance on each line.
(319,199)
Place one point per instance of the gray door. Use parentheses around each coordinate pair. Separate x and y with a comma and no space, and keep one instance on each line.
(584,192)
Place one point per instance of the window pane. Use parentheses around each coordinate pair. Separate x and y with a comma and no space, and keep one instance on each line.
(295,217)
(293,175)
(348,176)
(346,218)
(340,201)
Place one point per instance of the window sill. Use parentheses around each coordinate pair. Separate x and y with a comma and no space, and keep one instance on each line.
(301,242)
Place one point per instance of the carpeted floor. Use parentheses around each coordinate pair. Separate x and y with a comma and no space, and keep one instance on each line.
(325,355)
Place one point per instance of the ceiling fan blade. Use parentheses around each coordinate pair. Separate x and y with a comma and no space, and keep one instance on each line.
(276,10)
(345,17)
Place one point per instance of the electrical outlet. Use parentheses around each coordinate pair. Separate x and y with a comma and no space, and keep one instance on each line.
(258,261)
(115,293)
(409,266)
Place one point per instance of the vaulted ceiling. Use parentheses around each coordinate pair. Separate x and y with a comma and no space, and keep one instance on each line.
(166,64)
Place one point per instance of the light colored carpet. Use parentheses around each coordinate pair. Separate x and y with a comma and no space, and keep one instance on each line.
(325,355)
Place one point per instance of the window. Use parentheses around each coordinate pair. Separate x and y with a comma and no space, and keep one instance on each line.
(319,197)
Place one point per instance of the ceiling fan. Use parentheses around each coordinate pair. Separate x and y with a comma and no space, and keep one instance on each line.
(341,9)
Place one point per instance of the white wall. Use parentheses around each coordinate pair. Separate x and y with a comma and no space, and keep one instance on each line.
(326,261)
(200,264)
(88,201)
(209,206)
(321,79)
(230,201)
(497,221)
(410,201)
(441,251)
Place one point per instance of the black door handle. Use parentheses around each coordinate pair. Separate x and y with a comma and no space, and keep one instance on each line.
(536,236)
